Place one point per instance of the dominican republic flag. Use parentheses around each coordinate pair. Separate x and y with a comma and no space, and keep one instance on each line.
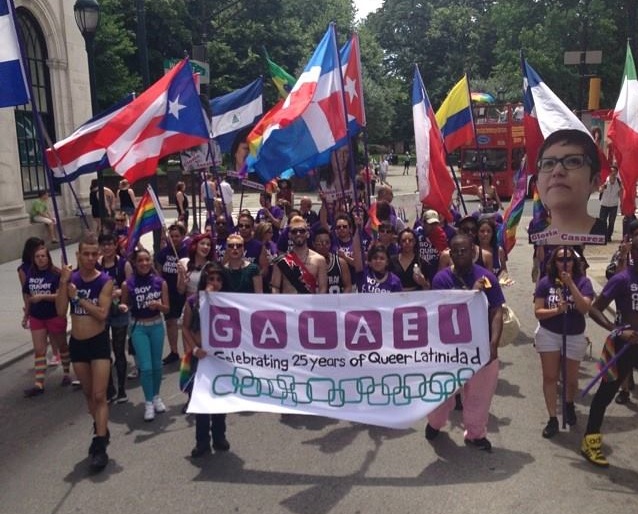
(14,86)
(623,133)
(435,182)
(235,111)
(165,119)
(311,120)
(79,154)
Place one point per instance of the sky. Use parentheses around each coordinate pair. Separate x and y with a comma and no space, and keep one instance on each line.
(366,6)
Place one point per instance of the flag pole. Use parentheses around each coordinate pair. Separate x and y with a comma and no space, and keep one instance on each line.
(479,157)
(58,160)
(38,124)
(160,214)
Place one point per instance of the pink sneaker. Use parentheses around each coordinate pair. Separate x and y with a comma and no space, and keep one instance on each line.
(54,361)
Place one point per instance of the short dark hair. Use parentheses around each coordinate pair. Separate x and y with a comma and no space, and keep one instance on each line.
(574,137)
(180,228)
(106,238)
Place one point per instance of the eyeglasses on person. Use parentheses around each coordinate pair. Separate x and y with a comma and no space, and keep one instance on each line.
(298,231)
(569,162)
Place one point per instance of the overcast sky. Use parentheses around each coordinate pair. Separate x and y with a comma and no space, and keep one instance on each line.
(366,6)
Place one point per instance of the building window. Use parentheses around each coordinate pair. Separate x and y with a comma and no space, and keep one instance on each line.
(32,170)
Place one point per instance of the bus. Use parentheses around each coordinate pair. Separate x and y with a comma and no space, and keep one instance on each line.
(499,147)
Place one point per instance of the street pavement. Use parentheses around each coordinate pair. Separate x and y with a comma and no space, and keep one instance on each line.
(313,465)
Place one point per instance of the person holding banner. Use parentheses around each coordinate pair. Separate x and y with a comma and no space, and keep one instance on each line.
(621,288)
(479,390)
(90,294)
(145,296)
(206,425)
(301,270)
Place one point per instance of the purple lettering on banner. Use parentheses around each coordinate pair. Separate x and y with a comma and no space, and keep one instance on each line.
(410,327)
(318,330)
(454,323)
(269,329)
(225,327)
(363,330)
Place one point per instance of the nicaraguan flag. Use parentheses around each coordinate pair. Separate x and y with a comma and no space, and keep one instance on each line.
(14,89)
(235,111)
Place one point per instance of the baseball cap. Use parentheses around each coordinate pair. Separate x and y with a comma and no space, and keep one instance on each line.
(431,216)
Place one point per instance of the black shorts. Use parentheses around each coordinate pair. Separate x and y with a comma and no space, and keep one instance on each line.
(176,306)
(87,350)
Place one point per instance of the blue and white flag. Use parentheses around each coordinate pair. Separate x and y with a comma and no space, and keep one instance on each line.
(14,88)
(235,111)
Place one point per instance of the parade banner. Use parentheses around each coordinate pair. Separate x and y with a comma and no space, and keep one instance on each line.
(380,359)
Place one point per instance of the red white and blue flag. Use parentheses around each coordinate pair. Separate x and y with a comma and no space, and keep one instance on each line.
(14,86)
(164,119)
(79,154)
(435,181)
(311,120)
(353,85)
(545,113)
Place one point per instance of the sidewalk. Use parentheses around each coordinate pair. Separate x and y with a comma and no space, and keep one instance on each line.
(15,341)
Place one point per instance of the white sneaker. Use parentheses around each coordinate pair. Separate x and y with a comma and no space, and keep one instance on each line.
(158,405)
(133,373)
(149,411)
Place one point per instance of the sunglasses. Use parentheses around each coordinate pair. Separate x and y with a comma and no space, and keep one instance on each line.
(298,231)
(244,225)
(220,223)
(235,246)
(120,220)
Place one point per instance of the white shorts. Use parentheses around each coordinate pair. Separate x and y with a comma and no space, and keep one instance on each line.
(546,341)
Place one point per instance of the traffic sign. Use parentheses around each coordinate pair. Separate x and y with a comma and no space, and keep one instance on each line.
(203,68)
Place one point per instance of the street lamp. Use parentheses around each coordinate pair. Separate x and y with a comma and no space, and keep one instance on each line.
(87,18)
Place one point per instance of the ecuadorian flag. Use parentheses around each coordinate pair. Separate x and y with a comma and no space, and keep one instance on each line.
(454,117)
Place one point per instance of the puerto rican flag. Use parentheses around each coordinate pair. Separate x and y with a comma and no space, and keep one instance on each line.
(311,120)
(165,119)
(79,154)
(435,181)
(353,85)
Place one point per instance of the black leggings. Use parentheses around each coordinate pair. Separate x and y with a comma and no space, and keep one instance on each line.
(608,389)
(118,341)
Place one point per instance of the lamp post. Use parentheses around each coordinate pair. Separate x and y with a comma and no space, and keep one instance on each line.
(87,18)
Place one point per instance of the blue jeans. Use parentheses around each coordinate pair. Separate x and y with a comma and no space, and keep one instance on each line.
(148,341)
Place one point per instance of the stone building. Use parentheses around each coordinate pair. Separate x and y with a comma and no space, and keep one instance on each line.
(57,60)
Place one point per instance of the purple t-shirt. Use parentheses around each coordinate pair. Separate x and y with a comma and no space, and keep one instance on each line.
(277,213)
(91,289)
(168,264)
(446,279)
(141,291)
(252,250)
(623,289)
(41,282)
(367,283)
(551,294)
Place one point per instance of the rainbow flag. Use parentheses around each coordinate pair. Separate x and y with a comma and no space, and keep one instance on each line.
(514,211)
(541,218)
(373,222)
(284,81)
(148,216)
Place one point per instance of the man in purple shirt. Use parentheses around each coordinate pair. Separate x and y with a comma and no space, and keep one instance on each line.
(479,390)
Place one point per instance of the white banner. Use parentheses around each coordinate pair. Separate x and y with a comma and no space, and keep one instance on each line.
(381,359)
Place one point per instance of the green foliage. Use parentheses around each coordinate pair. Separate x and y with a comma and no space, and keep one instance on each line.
(446,38)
